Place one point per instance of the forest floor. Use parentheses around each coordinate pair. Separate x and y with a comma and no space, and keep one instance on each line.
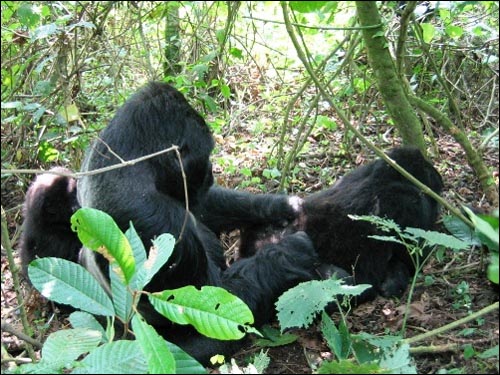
(459,286)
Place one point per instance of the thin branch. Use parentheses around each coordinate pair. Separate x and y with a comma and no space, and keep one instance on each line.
(314,27)
(77,175)
(10,329)
(452,325)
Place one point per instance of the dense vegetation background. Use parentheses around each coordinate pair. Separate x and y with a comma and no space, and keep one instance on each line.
(296,94)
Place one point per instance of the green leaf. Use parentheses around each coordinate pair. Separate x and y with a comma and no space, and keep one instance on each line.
(398,360)
(326,122)
(486,229)
(461,230)
(491,352)
(160,252)
(118,357)
(122,298)
(69,283)
(81,319)
(454,31)
(158,356)
(99,232)
(26,15)
(298,306)
(45,31)
(428,32)
(274,338)
(435,238)
(307,6)
(225,91)
(236,52)
(65,346)
(184,362)
(492,271)
(338,340)
(213,311)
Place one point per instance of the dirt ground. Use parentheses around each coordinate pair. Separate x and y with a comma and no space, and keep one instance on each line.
(432,305)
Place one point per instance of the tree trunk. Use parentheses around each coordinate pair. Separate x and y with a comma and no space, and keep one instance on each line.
(388,82)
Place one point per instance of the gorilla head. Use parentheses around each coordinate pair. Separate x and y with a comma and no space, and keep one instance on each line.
(50,201)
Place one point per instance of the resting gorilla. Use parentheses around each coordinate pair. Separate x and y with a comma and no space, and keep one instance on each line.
(151,195)
(373,189)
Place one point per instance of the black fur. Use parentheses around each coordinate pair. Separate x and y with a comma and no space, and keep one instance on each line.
(50,201)
(373,189)
(151,195)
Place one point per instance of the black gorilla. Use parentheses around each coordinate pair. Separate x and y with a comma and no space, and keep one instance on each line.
(50,201)
(151,195)
(373,189)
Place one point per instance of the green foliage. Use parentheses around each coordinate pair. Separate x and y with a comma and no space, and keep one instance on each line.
(359,353)
(485,232)
(298,306)
(98,232)
(415,239)
(273,337)
(212,311)
(69,283)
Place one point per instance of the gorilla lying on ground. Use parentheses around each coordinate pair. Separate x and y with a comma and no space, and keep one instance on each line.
(373,189)
(151,195)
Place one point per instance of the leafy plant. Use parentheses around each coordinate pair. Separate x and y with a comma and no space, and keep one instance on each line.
(485,232)
(213,311)
(354,354)
(359,353)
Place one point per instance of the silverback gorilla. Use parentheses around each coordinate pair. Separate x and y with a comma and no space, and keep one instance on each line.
(151,195)
(373,189)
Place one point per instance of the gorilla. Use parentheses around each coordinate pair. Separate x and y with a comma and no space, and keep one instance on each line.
(342,244)
(49,203)
(151,195)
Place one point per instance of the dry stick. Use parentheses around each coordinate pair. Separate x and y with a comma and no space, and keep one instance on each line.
(9,328)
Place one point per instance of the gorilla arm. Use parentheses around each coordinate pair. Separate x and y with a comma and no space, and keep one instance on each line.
(226,209)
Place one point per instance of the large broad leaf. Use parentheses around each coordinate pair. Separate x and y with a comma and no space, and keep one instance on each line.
(185,364)
(486,229)
(65,346)
(298,306)
(158,356)
(213,311)
(118,357)
(81,319)
(69,283)
(99,232)
(461,230)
